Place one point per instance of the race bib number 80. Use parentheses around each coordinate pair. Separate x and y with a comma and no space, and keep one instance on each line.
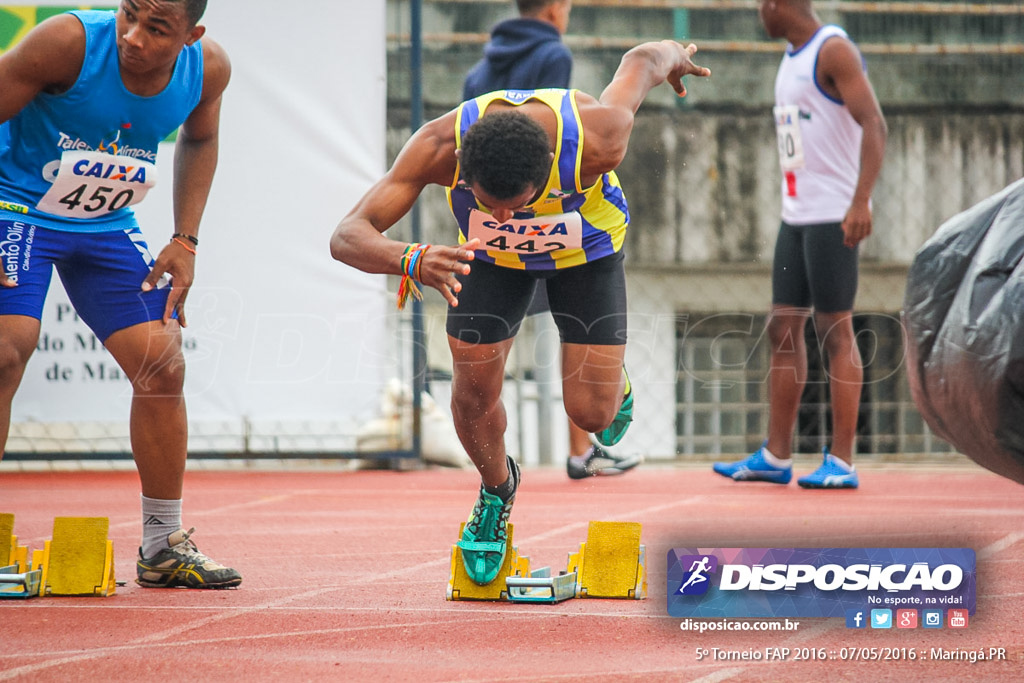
(536,235)
(92,184)
(791,144)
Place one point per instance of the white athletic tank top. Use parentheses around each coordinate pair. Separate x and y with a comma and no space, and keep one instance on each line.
(819,141)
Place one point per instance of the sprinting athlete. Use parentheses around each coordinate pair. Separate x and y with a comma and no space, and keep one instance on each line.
(530,178)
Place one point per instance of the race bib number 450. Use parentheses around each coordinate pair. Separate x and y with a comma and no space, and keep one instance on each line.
(92,184)
(534,235)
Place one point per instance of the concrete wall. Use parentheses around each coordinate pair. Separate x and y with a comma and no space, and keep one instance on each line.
(702,176)
(703,186)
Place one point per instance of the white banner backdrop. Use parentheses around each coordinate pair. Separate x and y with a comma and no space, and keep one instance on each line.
(286,348)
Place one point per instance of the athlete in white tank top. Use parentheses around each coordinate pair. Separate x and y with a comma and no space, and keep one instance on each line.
(831,136)
(819,141)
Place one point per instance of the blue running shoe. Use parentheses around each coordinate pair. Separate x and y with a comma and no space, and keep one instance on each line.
(484,541)
(754,468)
(613,433)
(833,474)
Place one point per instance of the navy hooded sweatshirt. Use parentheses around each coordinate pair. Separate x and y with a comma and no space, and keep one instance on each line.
(523,54)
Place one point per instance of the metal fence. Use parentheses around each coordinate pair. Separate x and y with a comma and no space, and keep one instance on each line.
(702,182)
(950,76)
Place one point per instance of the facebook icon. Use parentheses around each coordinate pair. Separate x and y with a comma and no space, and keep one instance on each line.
(855,618)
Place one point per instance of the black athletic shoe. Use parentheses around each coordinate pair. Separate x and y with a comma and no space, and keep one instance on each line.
(598,462)
(182,565)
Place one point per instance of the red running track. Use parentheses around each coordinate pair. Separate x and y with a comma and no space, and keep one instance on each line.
(345,575)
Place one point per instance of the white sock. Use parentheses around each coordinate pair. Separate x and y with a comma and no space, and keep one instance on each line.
(841,463)
(582,458)
(775,461)
(160,519)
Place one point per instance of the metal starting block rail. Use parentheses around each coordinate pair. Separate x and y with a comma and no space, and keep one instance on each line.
(15,584)
(540,586)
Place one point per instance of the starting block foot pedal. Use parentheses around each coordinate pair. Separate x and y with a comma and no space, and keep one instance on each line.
(11,554)
(461,587)
(16,581)
(611,563)
(79,560)
(540,586)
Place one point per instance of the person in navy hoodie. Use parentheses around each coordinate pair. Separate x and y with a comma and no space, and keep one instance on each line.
(87,97)
(525,53)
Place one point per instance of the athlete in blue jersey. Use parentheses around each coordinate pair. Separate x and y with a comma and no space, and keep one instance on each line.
(85,98)
(530,209)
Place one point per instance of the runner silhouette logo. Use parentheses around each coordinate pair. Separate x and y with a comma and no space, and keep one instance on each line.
(696,580)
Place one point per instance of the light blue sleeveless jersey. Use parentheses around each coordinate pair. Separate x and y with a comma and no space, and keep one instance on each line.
(97,114)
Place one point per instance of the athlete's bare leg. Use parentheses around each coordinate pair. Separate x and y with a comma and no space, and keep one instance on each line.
(787,376)
(592,383)
(846,378)
(150,355)
(479,415)
(19,335)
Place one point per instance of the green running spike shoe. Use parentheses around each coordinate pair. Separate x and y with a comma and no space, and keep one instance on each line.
(614,432)
(484,541)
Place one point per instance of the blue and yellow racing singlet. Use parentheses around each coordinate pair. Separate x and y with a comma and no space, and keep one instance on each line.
(568,225)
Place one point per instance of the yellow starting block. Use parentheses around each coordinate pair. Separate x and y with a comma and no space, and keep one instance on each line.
(461,587)
(10,552)
(16,581)
(79,560)
(611,563)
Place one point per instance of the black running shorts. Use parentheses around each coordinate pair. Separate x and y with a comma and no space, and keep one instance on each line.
(813,268)
(588,302)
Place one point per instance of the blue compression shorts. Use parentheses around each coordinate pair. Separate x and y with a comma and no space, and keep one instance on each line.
(102,273)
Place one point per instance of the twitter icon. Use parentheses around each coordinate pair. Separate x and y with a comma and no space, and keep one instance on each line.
(881,618)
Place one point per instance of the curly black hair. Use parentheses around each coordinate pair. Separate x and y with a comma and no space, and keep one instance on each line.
(505,153)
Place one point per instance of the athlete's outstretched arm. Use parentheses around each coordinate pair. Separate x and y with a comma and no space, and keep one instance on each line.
(428,158)
(609,124)
(648,65)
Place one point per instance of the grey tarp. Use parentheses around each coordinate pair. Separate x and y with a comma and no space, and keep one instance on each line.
(964,319)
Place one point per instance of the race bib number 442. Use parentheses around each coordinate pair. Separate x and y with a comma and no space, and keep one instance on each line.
(92,184)
(536,235)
